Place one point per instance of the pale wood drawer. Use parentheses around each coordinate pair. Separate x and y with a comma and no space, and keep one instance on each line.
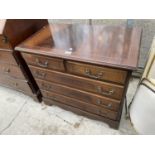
(7,57)
(96,72)
(20,85)
(11,70)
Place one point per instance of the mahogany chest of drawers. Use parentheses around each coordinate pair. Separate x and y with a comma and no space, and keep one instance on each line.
(13,71)
(83,68)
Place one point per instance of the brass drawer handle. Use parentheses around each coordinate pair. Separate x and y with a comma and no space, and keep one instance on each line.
(7,70)
(54,98)
(89,74)
(100,112)
(110,92)
(45,64)
(5,39)
(109,105)
(39,75)
(15,84)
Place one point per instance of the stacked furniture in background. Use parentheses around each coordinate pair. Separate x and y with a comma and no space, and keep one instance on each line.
(83,68)
(13,70)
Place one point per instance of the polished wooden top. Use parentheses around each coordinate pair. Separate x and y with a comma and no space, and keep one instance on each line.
(113,46)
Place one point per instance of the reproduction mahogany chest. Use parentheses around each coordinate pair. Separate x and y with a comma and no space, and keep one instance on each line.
(84,68)
(14,73)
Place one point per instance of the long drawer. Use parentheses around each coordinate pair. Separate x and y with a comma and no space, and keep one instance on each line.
(16,84)
(96,72)
(81,105)
(44,62)
(82,95)
(11,70)
(98,87)
(7,57)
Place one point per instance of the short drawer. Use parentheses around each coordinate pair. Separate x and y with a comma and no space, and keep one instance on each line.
(44,62)
(82,95)
(94,86)
(81,105)
(7,57)
(16,84)
(96,72)
(11,70)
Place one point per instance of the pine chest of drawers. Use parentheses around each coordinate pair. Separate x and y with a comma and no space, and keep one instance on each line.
(13,71)
(83,68)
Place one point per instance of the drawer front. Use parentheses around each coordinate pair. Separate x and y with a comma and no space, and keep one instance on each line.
(7,57)
(82,95)
(98,87)
(44,62)
(96,72)
(81,105)
(16,84)
(11,70)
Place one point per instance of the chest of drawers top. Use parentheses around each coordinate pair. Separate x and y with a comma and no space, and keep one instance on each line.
(113,46)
